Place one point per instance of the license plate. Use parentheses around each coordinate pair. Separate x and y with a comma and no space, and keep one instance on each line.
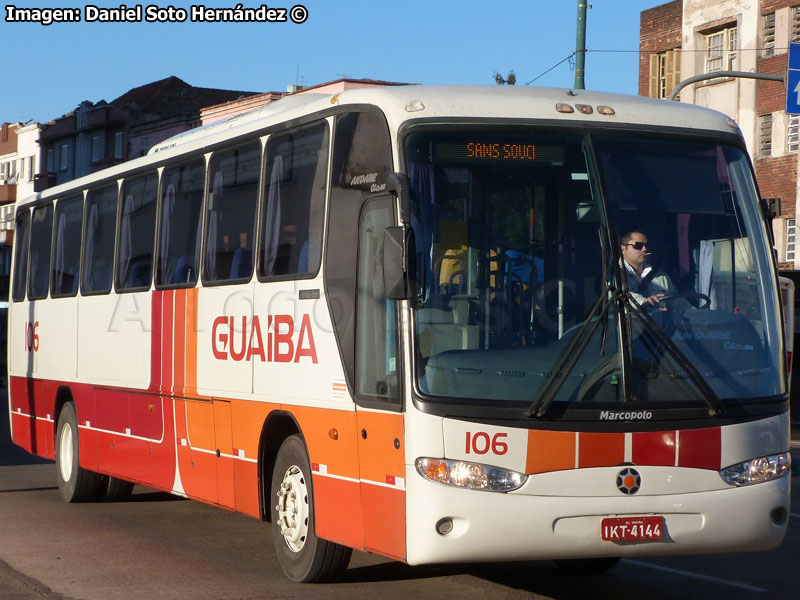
(632,529)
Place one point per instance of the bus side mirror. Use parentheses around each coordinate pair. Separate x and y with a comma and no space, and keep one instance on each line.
(399,253)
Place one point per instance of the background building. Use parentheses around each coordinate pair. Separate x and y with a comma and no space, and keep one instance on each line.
(684,38)
(98,135)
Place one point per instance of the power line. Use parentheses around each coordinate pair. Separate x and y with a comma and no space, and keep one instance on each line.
(569,56)
(551,68)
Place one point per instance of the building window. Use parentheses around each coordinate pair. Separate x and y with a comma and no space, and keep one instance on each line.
(64,157)
(793,134)
(97,148)
(144,146)
(765,136)
(31,167)
(791,232)
(795,24)
(769,34)
(665,73)
(118,145)
(721,49)
(51,160)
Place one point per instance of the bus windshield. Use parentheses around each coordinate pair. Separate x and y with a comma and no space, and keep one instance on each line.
(652,250)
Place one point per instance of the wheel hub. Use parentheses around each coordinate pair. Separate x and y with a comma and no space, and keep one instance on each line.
(292,509)
(65,452)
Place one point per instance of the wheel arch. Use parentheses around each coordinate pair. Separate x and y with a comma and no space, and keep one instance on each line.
(278,426)
(63,395)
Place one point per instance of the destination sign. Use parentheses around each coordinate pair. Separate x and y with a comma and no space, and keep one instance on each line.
(496,150)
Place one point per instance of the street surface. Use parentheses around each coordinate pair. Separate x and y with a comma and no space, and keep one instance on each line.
(157,546)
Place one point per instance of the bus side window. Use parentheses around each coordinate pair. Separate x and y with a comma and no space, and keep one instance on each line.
(361,163)
(21,256)
(67,250)
(231,215)
(294,202)
(179,234)
(137,233)
(41,241)
(99,235)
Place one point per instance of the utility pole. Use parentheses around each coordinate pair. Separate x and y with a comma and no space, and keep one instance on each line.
(580,46)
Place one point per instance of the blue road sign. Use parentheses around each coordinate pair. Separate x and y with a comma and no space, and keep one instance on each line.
(793,80)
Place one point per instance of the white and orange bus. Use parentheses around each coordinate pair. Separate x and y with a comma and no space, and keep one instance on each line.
(399,320)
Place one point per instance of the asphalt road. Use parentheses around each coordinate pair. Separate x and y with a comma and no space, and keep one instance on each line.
(158,546)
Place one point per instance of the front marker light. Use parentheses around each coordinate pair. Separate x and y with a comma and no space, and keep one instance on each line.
(757,470)
(470,475)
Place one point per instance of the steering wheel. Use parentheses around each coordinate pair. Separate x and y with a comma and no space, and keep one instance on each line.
(688,295)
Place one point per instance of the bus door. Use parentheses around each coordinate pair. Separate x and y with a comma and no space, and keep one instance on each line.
(377,381)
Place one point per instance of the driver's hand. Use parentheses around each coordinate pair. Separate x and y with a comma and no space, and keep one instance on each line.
(655,300)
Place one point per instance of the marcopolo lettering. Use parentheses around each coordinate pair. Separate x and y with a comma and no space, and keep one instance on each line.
(618,415)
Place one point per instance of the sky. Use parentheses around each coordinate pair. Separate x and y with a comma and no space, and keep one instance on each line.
(49,70)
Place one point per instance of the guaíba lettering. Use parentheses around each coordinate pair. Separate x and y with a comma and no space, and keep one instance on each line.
(240,338)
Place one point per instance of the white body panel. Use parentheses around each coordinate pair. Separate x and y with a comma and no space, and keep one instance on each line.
(112,349)
(520,526)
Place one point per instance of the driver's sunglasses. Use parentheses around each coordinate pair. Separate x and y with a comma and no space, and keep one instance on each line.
(638,245)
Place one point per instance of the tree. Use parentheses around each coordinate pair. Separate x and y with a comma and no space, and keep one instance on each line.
(511,79)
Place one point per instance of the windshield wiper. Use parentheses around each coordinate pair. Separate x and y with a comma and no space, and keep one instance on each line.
(714,404)
(572,354)
(578,344)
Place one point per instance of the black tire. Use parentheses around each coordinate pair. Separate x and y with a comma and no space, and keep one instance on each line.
(303,556)
(117,489)
(75,484)
(587,565)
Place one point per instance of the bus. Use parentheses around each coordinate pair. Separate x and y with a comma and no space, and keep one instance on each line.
(400,320)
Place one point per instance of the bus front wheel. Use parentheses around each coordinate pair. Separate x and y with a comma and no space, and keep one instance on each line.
(75,484)
(303,556)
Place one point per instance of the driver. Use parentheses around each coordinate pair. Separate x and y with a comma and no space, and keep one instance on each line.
(644,284)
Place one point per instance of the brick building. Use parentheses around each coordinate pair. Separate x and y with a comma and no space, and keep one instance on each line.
(684,38)
(230,109)
(98,135)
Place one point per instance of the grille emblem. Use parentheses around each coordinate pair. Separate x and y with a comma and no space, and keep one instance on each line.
(629,481)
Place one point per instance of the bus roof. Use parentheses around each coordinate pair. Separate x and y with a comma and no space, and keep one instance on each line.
(404,103)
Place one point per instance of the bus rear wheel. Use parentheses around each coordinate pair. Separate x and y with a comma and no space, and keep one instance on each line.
(75,484)
(303,556)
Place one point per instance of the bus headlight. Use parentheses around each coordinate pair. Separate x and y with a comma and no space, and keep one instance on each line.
(470,475)
(757,470)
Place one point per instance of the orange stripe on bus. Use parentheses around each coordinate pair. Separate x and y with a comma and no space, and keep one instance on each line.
(380,445)
(384,520)
(166,342)
(190,335)
(550,451)
(180,342)
(331,437)
(655,448)
(700,448)
(601,449)
(335,503)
